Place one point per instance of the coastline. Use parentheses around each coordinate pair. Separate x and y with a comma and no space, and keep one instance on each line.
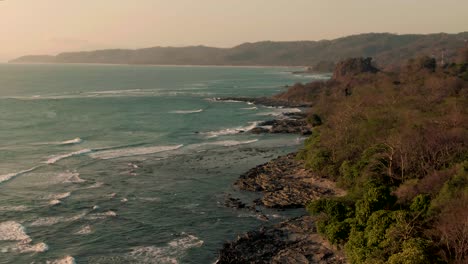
(157,65)
(283,183)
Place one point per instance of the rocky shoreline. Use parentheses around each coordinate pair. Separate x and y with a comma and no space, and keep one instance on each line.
(292,241)
(283,183)
(293,123)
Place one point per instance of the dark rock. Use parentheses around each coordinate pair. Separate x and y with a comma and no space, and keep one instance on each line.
(285,183)
(292,241)
(354,66)
(259,130)
(285,126)
(234,203)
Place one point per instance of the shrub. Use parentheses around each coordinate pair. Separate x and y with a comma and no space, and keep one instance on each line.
(414,252)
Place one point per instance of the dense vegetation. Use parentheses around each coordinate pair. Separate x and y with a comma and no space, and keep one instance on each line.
(387,49)
(397,141)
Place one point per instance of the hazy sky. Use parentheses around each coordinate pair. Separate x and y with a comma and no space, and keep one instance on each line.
(52,26)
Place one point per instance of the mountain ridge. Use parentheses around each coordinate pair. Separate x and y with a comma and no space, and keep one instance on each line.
(387,49)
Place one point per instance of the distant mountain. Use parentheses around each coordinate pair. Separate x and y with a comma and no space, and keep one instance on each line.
(387,49)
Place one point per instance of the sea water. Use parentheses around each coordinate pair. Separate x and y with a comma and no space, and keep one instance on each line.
(129,164)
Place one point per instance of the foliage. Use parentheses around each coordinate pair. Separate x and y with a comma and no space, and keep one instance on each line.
(398,143)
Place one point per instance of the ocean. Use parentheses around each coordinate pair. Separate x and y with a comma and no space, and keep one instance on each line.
(130,164)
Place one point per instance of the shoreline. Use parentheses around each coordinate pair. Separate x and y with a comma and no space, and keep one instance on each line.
(283,184)
(156,65)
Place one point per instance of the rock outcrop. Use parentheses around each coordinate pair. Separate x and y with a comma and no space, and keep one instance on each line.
(352,67)
(294,124)
(293,241)
(285,183)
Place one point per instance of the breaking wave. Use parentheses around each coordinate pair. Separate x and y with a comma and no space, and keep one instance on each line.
(230,143)
(65,260)
(186,111)
(169,254)
(128,152)
(231,131)
(72,141)
(9,176)
(54,159)
(14,231)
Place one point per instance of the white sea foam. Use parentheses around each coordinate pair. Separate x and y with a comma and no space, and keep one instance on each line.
(55,202)
(17,208)
(217,99)
(101,215)
(186,111)
(250,108)
(66,142)
(72,141)
(95,185)
(52,178)
(229,143)
(72,177)
(27,247)
(9,176)
(85,230)
(52,220)
(279,111)
(166,254)
(150,199)
(14,231)
(59,196)
(56,198)
(231,131)
(128,152)
(54,159)
(119,91)
(65,260)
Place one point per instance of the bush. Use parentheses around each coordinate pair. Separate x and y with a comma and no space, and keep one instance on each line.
(314,120)
(375,198)
(414,252)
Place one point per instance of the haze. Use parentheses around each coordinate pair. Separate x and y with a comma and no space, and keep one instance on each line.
(53,26)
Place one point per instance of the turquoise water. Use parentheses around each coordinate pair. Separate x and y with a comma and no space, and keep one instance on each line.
(129,164)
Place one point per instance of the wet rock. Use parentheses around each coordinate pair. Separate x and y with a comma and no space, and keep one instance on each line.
(260,130)
(285,183)
(234,203)
(289,125)
(292,241)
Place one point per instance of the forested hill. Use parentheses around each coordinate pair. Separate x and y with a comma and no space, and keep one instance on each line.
(398,142)
(387,49)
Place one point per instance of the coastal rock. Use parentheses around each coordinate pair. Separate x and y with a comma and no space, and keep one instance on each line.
(260,130)
(234,203)
(293,123)
(354,66)
(285,183)
(286,126)
(292,241)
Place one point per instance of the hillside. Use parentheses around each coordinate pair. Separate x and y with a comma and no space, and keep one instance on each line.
(397,141)
(387,50)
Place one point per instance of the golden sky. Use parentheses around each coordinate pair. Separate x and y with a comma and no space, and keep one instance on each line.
(53,26)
